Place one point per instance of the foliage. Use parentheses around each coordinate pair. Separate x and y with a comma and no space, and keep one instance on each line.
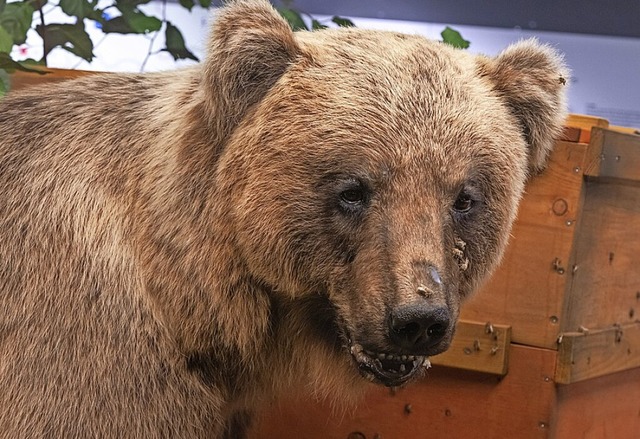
(453,37)
(117,17)
(113,17)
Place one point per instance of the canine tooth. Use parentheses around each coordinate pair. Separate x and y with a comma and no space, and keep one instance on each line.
(426,363)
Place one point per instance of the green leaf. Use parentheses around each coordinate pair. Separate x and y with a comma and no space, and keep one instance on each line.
(71,37)
(188,4)
(453,38)
(293,18)
(117,25)
(8,64)
(205,3)
(315,25)
(4,82)
(6,42)
(78,8)
(132,22)
(140,22)
(175,44)
(130,4)
(343,22)
(16,20)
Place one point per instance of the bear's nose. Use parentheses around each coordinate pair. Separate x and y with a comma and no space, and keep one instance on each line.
(418,326)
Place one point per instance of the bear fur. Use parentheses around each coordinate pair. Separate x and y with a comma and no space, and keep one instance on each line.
(178,249)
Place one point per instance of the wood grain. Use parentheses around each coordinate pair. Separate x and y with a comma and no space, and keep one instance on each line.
(605,287)
(594,353)
(600,408)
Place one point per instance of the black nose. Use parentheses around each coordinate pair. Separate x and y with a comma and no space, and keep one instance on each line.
(418,327)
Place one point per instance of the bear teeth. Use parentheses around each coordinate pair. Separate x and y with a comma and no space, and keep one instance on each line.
(383,355)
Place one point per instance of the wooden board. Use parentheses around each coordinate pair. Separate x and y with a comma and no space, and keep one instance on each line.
(481,347)
(449,403)
(585,123)
(596,353)
(615,155)
(600,408)
(527,291)
(605,286)
(26,79)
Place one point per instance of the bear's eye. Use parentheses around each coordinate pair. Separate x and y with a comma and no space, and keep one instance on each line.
(352,196)
(464,203)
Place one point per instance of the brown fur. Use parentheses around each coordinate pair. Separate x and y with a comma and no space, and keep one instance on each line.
(174,251)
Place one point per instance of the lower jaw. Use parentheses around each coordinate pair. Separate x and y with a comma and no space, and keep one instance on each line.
(398,371)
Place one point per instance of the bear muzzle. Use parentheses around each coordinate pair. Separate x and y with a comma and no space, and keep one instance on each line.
(414,331)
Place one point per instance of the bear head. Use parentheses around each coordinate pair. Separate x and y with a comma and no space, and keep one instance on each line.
(378,170)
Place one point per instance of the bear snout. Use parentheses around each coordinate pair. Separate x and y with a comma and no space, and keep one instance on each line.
(419,327)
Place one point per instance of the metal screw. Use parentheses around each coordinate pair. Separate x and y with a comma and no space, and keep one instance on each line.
(553,319)
(576,169)
(488,327)
(408,409)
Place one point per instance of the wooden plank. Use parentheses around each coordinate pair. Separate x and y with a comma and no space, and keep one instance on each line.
(585,123)
(26,79)
(615,155)
(527,291)
(590,354)
(605,285)
(628,130)
(481,347)
(570,134)
(448,403)
(605,407)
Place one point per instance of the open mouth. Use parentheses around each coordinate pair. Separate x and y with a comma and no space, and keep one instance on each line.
(389,369)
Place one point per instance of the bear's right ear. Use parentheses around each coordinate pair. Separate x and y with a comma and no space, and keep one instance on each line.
(531,79)
(250,48)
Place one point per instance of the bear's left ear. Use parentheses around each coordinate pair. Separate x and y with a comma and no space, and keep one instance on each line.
(250,48)
(531,78)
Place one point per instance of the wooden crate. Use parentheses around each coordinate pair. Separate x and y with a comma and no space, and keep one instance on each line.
(572,264)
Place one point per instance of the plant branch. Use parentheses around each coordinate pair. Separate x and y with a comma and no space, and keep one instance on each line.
(44,32)
(150,51)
